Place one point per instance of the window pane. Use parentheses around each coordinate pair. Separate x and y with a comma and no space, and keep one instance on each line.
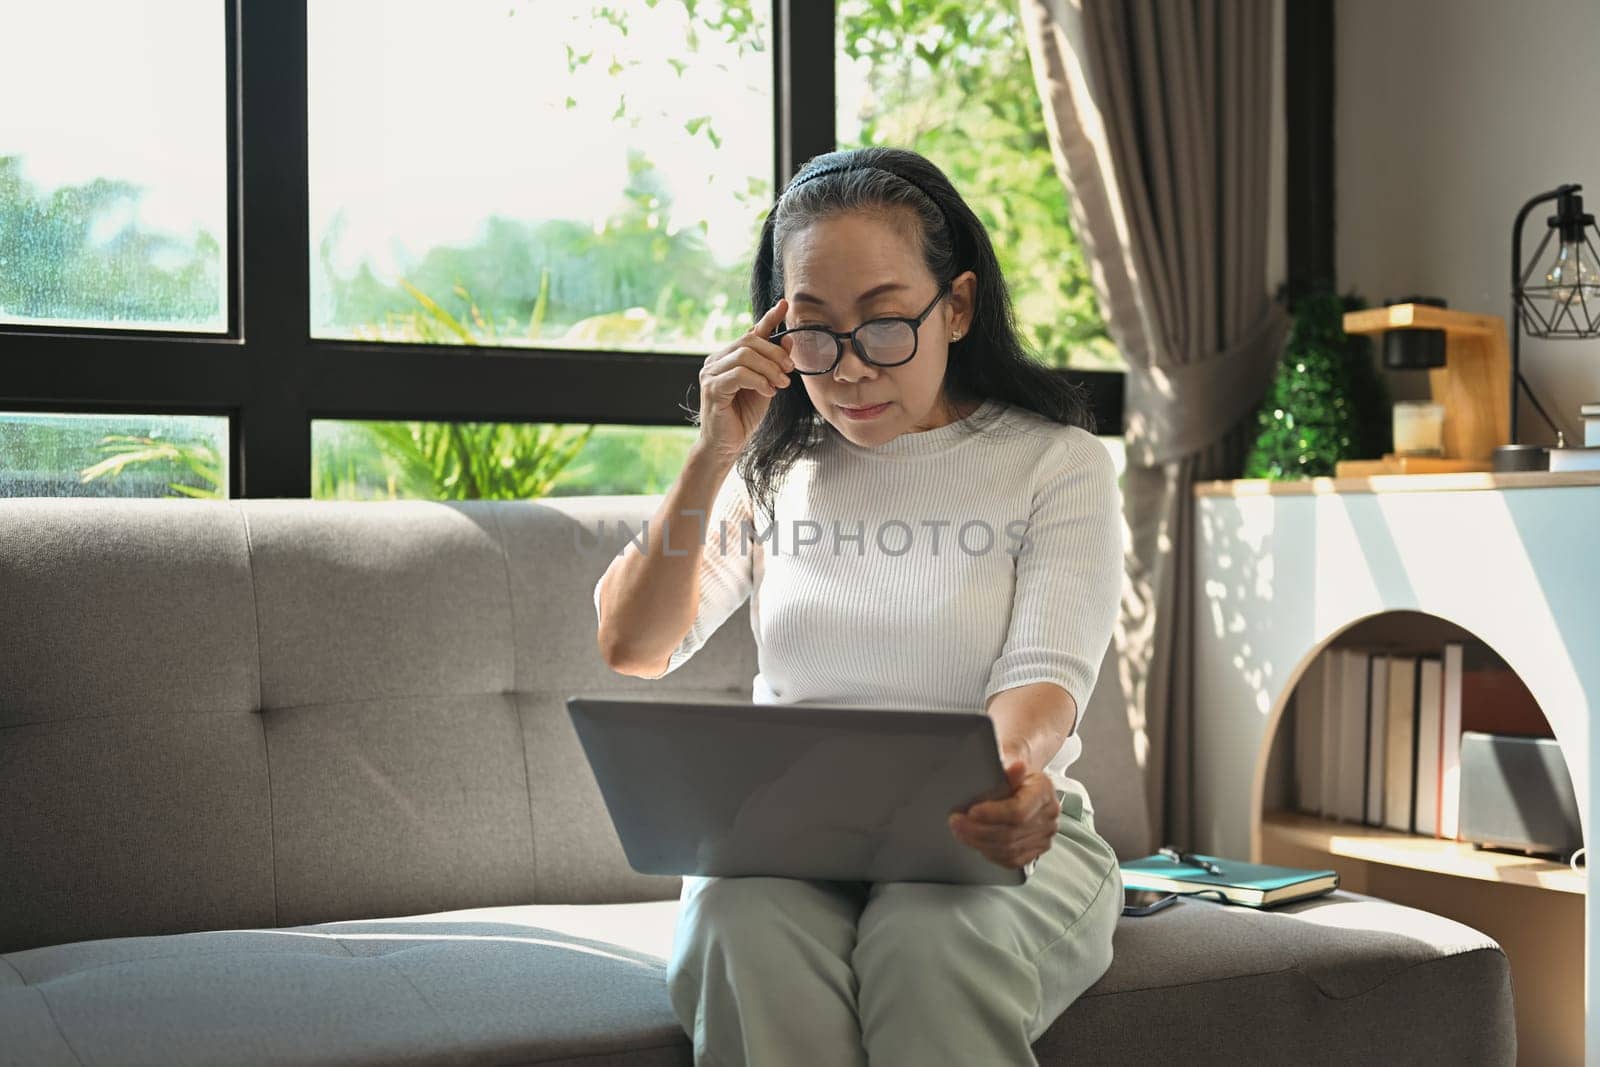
(113,165)
(440,461)
(496,461)
(113,455)
(561,172)
(957,86)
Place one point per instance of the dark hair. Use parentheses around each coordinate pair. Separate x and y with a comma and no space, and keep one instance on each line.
(905,189)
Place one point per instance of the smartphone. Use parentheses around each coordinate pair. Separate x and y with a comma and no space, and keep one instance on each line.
(1145,901)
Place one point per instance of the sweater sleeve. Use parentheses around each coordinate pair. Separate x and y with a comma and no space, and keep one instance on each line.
(1068,575)
(727,574)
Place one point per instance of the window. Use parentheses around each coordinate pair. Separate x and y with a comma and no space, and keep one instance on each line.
(555,172)
(956,84)
(113,165)
(46,454)
(505,461)
(351,213)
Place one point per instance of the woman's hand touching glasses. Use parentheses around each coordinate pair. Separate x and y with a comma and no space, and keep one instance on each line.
(737,384)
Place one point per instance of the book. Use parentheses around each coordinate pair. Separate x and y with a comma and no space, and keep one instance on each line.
(1308,737)
(1256,885)
(1575,459)
(1332,677)
(1400,760)
(1353,664)
(1450,749)
(1430,744)
(1497,702)
(1377,738)
(1494,699)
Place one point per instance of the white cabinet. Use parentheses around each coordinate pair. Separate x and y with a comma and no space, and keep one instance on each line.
(1284,569)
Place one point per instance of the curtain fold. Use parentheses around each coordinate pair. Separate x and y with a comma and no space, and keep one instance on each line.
(1159,114)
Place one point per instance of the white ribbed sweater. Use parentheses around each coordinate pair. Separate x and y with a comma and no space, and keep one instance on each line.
(873,583)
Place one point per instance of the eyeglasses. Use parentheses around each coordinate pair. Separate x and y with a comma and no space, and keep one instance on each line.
(885,342)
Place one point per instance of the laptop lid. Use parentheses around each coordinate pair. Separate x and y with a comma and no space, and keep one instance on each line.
(823,791)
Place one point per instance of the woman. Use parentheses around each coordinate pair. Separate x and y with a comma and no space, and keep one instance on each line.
(938,427)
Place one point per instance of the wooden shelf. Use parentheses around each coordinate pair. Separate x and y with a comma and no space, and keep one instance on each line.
(1416,852)
(1422,316)
(1399,483)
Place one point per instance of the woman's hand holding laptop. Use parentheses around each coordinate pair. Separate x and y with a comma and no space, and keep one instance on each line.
(1011,831)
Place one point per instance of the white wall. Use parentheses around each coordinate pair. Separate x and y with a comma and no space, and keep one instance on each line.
(1448,116)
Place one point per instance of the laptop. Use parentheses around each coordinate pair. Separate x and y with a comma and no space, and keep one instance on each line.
(730,788)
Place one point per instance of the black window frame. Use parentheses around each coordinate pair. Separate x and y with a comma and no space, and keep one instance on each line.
(272,378)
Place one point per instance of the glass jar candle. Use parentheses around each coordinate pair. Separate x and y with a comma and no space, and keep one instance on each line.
(1418,428)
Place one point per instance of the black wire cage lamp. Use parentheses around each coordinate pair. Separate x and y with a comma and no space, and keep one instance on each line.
(1552,296)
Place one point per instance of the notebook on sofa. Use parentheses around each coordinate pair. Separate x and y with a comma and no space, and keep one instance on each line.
(1256,885)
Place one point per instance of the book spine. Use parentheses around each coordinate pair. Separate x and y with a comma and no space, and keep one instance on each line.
(1429,741)
(1332,675)
(1450,735)
(1416,733)
(1377,738)
(1353,736)
(1400,759)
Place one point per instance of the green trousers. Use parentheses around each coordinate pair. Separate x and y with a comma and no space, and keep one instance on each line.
(769,972)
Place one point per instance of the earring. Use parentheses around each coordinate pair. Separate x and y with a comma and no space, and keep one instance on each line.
(956,336)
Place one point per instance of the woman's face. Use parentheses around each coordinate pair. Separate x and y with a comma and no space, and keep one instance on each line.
(849,268)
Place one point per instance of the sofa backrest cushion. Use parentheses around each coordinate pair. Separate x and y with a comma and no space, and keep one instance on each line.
(274,712)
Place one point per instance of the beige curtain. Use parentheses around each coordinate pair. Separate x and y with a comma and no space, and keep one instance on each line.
(1159,114)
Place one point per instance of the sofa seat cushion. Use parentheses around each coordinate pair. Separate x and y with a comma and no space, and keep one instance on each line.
(539,984)
(1340,979)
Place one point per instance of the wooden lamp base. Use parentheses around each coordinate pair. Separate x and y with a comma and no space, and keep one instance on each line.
(1473,385)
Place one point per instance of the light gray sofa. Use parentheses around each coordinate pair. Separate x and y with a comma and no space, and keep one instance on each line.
(293,782)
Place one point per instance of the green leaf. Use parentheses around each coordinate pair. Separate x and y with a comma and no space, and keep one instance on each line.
(439,314)
(541,305)
(194,491)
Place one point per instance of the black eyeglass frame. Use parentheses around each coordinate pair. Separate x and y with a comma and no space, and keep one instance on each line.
(914,321)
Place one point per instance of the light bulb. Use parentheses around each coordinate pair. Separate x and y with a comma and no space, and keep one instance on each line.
(1571,277)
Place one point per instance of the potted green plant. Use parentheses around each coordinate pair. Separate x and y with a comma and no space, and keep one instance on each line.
(1327,401)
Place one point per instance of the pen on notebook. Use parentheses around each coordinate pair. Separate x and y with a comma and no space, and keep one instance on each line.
(1189,857)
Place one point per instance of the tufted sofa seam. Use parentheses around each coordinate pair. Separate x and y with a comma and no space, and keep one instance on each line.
(439,1016)
(387,698)
(380,958)
(123,716)
(1090,994)
(78,972)
(48,1009)
(522,729)
(511,605)
(261,719)
(1496,950)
